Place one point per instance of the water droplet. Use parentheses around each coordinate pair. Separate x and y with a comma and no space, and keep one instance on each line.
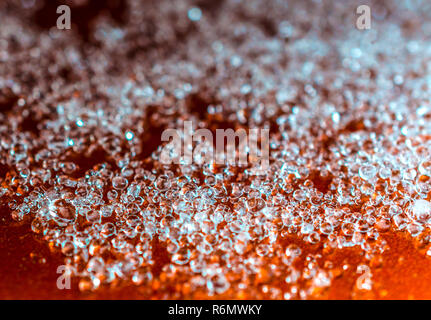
(367,172)
(62,211)
(421,210)
(119,183)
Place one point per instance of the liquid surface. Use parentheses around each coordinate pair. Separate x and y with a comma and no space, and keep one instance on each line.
(332,198)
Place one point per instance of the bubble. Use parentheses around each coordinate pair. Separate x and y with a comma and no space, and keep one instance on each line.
(383,224)
(293,251)
(425,167)
(293,275)
(62,211)
(245,88)
(255,204)
(162,183)
(68,248)
(37,226)
(112,194)
(142,276)
(421,210)
(236,61)
(322,279)
(335,116)
(262,250)
(394,210)
(93,216)
(348,228)
(108,230)
(96,266)
(194,14)
(361,225)
(385,172)
(326,228)
(205,248)
(133,220)
(119,241)
(85,284)
(367,172)
(106,211)
(400,220)
(414,229)
(182,256)
(119,183)
(218,284)
(129,135)
(313,237)
(210,180)
(172,247)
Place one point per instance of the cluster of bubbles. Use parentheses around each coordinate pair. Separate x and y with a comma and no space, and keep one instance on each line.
(349,113)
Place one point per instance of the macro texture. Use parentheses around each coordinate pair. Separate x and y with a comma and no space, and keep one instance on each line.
(82,113)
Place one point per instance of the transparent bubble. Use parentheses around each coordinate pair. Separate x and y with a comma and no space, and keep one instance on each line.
(162,183)
(182,256)
(119,183)
(293,251)
(63,211)
(37,226)
(425,167)
(421,210)
(326,228)
(108,230)
(383,224)
(219,284)
(367,172)
(93,216)
(293,276)
(68,248)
